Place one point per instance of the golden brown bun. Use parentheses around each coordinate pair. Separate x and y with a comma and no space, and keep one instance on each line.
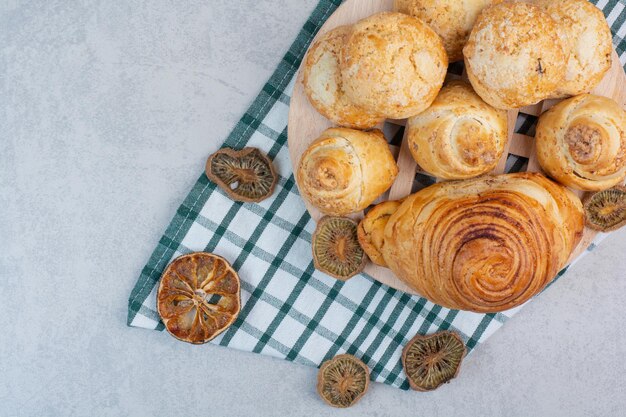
(514,56)
(486,244)
(393,64)
(451,19)
(589,43)
(323,86)
(345,170)
(372,227)
(581,142)
(459,136)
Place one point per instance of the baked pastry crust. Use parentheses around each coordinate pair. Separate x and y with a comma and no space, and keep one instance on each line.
(486,244)
(324,88)
(371,230)
(393,64)
(459,136)
(589,42)
(345,170)
(581,142)
(451,19)
(514,56)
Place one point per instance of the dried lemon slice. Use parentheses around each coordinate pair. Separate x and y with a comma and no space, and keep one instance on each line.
(342,381)
(246,175)
(198,297)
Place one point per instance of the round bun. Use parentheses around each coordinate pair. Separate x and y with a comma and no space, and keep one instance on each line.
(459,136)
(393,64)
(581,142)
(345,170)
(589,43)
(514,56)
(323,86)
(451,19)
(486,244)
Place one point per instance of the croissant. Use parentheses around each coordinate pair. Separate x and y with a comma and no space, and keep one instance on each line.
(486,244)
(372,228)
(459,135)
(345,170)
(581,142)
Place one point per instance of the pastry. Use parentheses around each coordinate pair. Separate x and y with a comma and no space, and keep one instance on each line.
(514,56)
(371,230)
(345,170)
(451,19)
(485,244)
(459,136)
(393,64)
(581,142)
(589,43)
(322,83)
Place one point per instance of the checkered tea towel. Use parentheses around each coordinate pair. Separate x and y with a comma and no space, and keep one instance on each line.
(289,309)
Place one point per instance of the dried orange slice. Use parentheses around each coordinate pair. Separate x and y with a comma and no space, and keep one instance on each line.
(198,297)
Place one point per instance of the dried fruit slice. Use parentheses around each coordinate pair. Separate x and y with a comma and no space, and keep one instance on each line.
(430,361)
(606,210)
(343,380)
(371,230)
(198,297)
(246,175)
(336,249)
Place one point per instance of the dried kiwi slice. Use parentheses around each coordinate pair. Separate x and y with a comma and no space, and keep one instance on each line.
(430,361)
(246,175)
(336,249)
(371,230)
(343,380)
(606,210)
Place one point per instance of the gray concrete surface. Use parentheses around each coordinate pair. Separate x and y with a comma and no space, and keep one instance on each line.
(107,111)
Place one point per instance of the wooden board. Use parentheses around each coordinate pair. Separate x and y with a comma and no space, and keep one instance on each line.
(306,124)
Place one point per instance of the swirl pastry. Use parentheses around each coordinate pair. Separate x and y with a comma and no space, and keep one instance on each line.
(486,244)
(451,19)
(589,42)
(514,56)
(393,64)
(459,136)
(345,170)
(371,230)
(323,86)
(581,142)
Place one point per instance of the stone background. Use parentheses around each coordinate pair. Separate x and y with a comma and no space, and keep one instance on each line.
(108,109)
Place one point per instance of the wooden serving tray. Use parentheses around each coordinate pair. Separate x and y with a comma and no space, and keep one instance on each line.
(306,124)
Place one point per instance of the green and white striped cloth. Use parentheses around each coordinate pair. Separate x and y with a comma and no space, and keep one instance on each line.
(290,310)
